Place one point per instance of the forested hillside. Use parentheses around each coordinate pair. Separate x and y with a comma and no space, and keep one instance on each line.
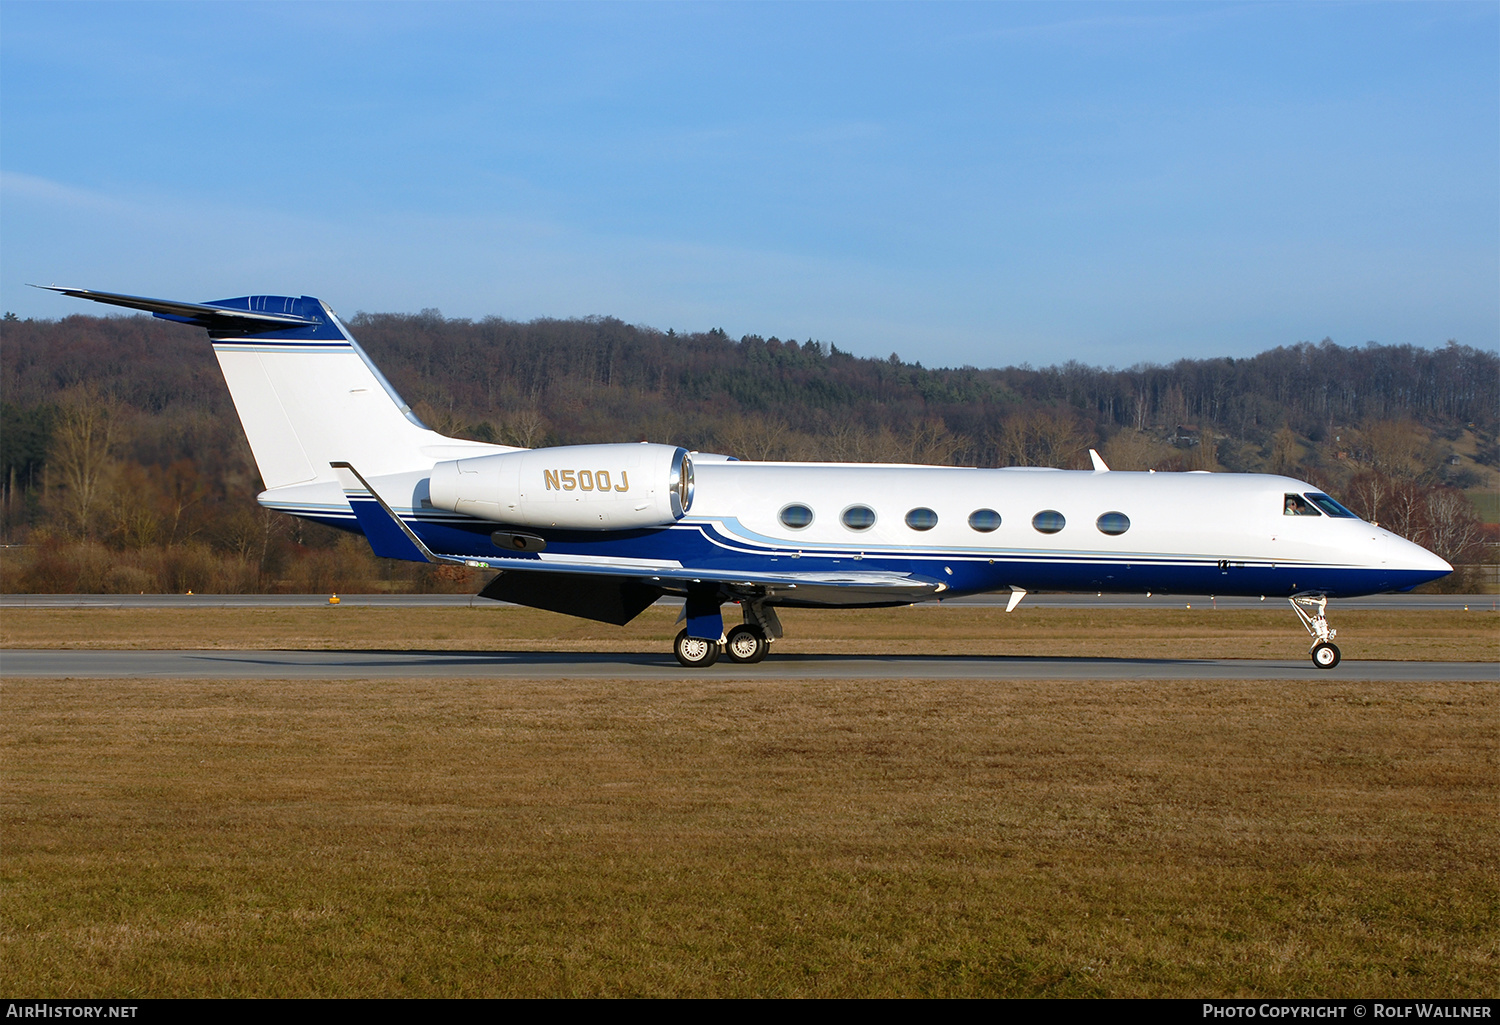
(125,469)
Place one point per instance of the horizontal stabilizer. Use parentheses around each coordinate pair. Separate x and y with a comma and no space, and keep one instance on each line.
(244,315)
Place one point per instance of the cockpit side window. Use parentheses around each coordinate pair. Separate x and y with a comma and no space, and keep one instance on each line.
(1330,507)
(1296,505)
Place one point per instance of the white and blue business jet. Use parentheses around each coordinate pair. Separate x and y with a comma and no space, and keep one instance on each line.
(603,531)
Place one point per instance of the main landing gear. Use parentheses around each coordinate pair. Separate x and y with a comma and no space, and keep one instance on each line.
(695,652)
(1312,610)
(747,643)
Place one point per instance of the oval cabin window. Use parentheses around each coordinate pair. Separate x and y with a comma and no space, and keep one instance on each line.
(1113,523)
(984,520)
(795,517)
(921,519)
(1048,521)
(859,517)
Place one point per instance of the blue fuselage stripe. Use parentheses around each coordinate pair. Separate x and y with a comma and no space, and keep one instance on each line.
(702,546)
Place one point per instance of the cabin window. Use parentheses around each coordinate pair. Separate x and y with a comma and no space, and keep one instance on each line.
(921,519)
(1296,505)
(1113,523)
(1330,507)
(858,517)
(1049,521)
(796,516)
(984,520)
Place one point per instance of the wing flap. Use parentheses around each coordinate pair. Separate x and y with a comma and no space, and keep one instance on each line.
(812,588)
(603,599)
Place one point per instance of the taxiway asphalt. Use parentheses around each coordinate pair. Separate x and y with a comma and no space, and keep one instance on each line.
(331,665)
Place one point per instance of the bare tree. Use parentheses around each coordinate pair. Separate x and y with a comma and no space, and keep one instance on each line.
(1041,437)
(1286,453)
(754,436)
(82,452)
(526,428)
(1398,448)
(1134,450)
(1453,528)
(1368,493)
(931,443)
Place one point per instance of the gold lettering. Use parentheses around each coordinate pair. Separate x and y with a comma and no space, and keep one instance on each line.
(585,480)
(551,477)
(568,482)
(624,484)
(602,477)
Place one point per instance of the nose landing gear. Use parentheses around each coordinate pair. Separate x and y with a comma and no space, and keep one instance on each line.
(1312,610)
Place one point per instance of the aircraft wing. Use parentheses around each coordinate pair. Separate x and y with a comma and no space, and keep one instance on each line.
(617,594)
(615,590)
(798,588)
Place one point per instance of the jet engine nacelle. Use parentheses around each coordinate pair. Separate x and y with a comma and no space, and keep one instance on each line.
(578,487)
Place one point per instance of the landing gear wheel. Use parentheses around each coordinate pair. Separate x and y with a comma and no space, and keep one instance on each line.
(695,652)
(746,643)
(1312,609)
(1325,655)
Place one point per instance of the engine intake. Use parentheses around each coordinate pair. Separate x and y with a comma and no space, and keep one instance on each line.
(577,487)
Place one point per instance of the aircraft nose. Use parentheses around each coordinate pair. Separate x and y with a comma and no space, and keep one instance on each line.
(1435,563)
(1408,555)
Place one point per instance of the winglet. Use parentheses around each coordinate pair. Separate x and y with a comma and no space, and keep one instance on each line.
(385,541)
(1099,466)
(1016,594)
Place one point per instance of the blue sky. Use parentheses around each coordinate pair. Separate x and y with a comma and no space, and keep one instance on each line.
(972,183)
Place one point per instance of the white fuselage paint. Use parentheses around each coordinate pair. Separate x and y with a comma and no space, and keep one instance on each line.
(1237,517)
(1173,516)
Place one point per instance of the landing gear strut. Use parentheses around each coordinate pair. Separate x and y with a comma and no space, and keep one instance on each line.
(1312,609)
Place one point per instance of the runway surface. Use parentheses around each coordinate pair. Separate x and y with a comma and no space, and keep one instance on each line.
(328,665)
(1397,602)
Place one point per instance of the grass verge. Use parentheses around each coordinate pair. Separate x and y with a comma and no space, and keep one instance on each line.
(1197,632)
(823,838)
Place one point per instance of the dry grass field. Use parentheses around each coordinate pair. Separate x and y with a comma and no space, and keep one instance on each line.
(694,837)
(697,838)
(1199,632)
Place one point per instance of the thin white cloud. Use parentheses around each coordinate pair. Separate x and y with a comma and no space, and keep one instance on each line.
(29,188)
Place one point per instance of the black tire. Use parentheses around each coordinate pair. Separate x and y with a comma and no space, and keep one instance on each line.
(746,644)
(695,652)
(1326,655)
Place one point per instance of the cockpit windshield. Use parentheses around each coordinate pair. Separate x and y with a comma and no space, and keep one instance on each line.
(1311,503)
(1330,507)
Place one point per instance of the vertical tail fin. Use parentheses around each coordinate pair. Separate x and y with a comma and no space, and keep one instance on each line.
(306,393)
(309,396)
